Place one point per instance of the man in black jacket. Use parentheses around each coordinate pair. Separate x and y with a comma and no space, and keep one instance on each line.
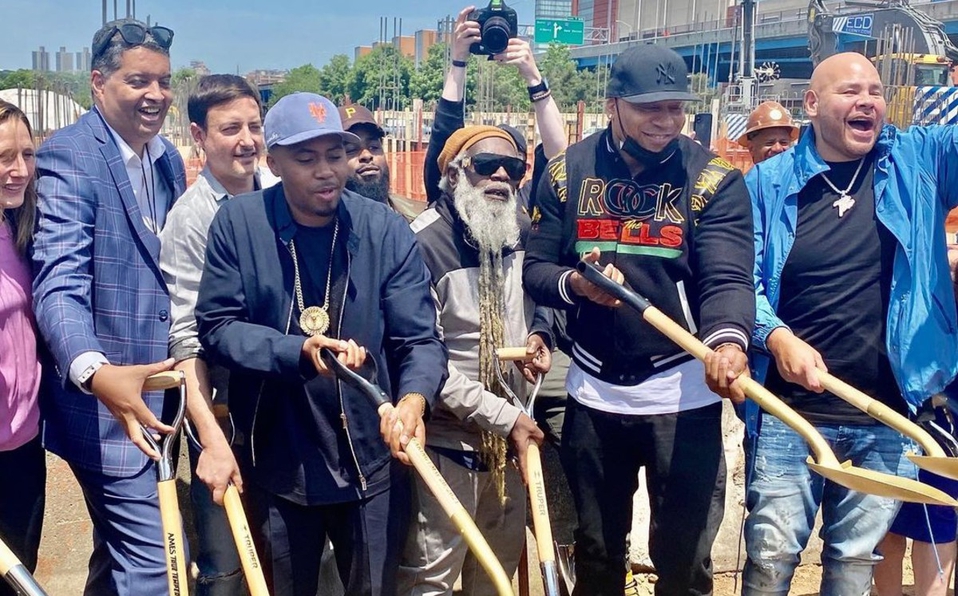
(675,223)
(300,266)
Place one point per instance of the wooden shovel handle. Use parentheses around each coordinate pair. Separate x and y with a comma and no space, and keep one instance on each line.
(177,574)
(759,394)
(244,542)
(882,413)
(16,575)
(510,354)
(163,380)
(449,502)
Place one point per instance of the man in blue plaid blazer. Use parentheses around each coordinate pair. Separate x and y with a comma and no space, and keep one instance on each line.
(105,186)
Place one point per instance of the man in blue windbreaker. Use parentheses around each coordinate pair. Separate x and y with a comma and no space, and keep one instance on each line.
(851,276)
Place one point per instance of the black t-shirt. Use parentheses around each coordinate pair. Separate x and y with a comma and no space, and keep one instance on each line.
(312,428)
(834,294)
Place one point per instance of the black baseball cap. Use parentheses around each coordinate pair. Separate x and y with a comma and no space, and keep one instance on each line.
(518,137)
(649,73)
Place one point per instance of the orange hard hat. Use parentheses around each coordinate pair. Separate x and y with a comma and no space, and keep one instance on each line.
(769,114)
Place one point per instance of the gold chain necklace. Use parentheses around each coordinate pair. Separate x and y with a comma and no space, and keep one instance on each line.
(845,201)
(313,320)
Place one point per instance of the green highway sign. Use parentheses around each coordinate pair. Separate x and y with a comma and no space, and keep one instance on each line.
(568,31)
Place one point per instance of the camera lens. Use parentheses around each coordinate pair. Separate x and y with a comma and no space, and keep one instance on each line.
(495,35)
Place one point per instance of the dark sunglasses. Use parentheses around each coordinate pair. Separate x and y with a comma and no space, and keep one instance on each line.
(487,164)
(134,34)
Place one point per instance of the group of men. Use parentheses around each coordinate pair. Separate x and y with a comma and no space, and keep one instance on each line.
(830,256)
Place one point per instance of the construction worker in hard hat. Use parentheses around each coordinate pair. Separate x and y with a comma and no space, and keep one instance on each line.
(770,131)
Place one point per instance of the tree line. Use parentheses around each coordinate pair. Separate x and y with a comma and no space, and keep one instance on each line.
(383,78)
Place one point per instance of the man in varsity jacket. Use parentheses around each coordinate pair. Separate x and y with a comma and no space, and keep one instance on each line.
(673,222)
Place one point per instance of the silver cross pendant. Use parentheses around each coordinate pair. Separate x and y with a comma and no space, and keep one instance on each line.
(844,203)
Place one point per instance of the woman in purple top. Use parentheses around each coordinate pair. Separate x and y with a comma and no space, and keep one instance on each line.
(22,465)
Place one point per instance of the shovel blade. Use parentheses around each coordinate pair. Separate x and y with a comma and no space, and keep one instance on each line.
(943,466)
(883,485)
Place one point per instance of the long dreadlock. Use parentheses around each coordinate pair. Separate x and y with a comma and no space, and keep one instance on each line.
(491,308)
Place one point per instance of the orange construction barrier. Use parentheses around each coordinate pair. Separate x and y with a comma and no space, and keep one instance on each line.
(733,153)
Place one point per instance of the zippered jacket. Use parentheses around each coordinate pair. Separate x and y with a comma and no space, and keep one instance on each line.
(916,184)
(248,322)
(681,237)
(465,407)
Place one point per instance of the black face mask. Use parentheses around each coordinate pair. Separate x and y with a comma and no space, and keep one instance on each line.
(648,159)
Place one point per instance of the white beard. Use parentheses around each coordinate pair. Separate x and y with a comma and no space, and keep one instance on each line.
(493,224)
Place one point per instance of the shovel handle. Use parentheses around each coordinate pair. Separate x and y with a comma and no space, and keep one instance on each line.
(752,388)
(244,542)
(16,575)
(882,413)
(514,354)
(540,520)
(691,344)
(450,503)
(169,379)
(176,570)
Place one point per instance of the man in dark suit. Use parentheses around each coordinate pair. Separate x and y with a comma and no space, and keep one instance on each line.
(105,186)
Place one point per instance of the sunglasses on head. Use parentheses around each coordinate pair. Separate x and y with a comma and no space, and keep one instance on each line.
(135,34)
(487,164)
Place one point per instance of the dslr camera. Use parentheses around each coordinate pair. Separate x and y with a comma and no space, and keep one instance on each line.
(497,23)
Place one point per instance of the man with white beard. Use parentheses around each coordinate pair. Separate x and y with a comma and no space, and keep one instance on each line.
(472,242)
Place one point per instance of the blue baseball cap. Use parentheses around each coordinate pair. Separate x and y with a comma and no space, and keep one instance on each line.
(303,117)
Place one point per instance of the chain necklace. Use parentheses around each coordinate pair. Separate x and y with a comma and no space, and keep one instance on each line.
(845,201)
(313,320)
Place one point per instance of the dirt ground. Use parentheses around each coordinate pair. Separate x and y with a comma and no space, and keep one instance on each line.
(67,529)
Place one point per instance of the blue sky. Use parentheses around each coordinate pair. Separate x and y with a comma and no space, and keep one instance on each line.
(227,35)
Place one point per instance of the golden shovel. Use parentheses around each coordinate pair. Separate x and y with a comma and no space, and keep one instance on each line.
(824,462)
(534,477)
(935,459)
(430,475)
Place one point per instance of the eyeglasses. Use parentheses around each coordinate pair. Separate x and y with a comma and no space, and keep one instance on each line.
(487,164)
(134,34)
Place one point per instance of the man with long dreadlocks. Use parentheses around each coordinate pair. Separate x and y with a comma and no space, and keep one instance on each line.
(471,240)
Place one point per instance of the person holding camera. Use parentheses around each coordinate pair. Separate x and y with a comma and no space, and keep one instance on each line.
(468,39)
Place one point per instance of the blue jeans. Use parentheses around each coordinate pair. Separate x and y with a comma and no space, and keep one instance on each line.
(784,495)
(221,573)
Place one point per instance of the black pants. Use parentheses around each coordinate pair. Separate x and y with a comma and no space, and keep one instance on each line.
(685,469)
(367,536)
(23,476)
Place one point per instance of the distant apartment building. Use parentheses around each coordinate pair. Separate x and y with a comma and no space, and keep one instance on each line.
(406,45)
(83,59)
(600,16)
(41,60)
(425,39)
(64,60)
(200,68)
(263,77)
(554,9)
(361,51)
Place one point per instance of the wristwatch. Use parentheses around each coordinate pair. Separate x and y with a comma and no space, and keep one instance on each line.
(87,375)
(540,91)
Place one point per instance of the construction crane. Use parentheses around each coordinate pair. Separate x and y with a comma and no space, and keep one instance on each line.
(859,31)
(910,50)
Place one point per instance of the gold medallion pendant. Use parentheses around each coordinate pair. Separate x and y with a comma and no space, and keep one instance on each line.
(314,321)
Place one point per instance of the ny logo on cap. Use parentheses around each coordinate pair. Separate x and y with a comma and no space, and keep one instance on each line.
(665,73)
(318,111)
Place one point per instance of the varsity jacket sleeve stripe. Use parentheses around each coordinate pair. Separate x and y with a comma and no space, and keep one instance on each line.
(723,264)
(544,279)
